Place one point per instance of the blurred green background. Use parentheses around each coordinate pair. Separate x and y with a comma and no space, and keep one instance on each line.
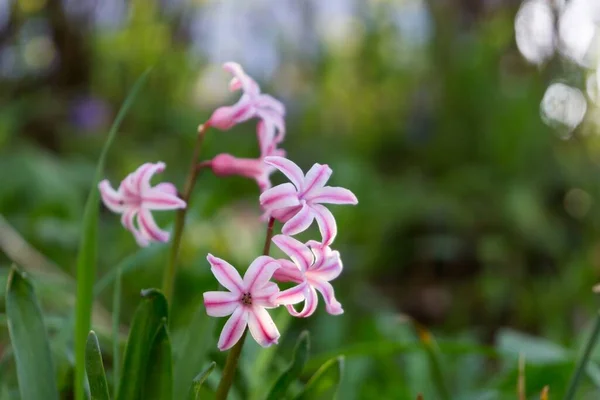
(475,218)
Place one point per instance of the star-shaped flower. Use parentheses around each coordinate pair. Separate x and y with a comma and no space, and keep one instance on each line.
(252,104)
(313,266)
(300,202)
(137,198)
(246,301)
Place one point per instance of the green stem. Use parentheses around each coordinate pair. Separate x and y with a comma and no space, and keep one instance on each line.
(170,271)
(582,363)
(115,329)
(435,362)
(234,354)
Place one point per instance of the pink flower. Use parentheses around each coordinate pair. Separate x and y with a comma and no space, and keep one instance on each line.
(246,301)
(253,168)
(300,202)
(136,198)
(252,104)
(313,266)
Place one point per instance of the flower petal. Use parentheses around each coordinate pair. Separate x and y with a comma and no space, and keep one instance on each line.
(226,274)
(111,198)
(142,176)
(262,328)
(154,199)
(233,329)
(326,222)
(296,250)
(329,268)
(310,304)
(259,273)
(266,295)
(332,195)
(332,306)
(292,295)
(280,196)
(224,118)
(288,272)
(166,187)
(316,178)
(127,219)
(299,222)
(220,304)
(240,79)
(149,228)
(288,168)
(266,101)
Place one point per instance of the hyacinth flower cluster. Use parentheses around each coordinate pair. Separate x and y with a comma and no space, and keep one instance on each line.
(309,267)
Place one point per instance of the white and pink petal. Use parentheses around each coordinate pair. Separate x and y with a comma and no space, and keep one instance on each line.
(299,222)
(226,274)
(259,273)
(262,328)
(288,168)
(221,304)
(233,329)
(326,222)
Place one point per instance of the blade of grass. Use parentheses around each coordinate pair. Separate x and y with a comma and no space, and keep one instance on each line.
(435,361)
(158,383)
(35,369)
(116,312)
(583,360)
(200,378)
(193,352)
(95,369)
(148,319)
(325,382)
(88,248)
(294,370)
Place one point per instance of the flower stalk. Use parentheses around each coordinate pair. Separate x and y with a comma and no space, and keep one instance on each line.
(170,271)
(234,354)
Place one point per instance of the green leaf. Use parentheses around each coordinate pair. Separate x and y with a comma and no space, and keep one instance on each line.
(88,249)
(148,319)
(325,382)
(192,353)
(294,370)
(95,369)
(159,373)
(200,378)
(35,370)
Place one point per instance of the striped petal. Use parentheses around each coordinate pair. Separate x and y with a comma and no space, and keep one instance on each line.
(288,168)
(221,304)
(326,222)
(127,219)
(296,250)
(316,178)
(226,274)
(149,228)
(142,176)
(265,296)
(233,329)
(332,195)
(310,304)
(332,306)
(299,222)
(262,328)
(112,199)
(155,199)
(259,273)
(329,268)
(292,295)
(288,272)
(280,196)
